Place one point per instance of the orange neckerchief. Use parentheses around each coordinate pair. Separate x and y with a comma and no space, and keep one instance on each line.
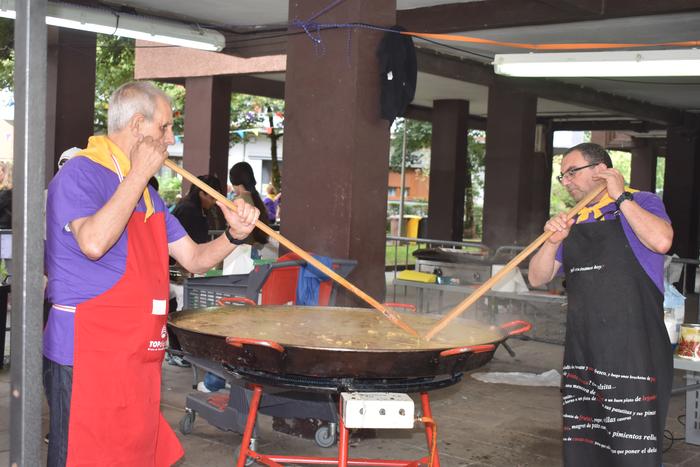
(103,151)
(585,213)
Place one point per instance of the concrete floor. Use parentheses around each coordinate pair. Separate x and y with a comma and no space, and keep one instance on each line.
(479,424)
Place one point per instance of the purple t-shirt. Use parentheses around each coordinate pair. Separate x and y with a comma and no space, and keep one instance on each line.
(651,262)
(80,189)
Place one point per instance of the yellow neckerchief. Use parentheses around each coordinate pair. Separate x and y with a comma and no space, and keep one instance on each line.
(595,209)
(104,152)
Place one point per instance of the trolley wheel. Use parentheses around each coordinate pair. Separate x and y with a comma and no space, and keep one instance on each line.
(325,436)
(248,460)
(187,421)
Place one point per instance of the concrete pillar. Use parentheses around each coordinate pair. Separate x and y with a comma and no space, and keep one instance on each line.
(541,179)
(70,98)
(336,147)
(508,192)
(207,123)
(448,161)
(681,187)
(643,173)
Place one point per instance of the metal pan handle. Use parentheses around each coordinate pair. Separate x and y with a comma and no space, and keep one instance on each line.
(240,341)
(235,300)
(470,348)
(407,306)
(526,326)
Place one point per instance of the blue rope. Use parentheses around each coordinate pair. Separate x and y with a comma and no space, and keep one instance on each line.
(313,31)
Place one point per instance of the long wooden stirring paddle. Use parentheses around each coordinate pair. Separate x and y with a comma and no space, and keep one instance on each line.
(486,286)
(392,316)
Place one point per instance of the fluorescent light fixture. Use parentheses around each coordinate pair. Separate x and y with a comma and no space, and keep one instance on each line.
(125,25)
(675,62)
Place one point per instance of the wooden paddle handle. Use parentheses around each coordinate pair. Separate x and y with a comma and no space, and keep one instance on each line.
(486,286)
(393,317)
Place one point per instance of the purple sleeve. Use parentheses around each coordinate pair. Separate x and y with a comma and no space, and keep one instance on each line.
(175,230)
(78,190)
(652,203)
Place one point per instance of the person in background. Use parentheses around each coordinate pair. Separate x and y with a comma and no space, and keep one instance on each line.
(243,181)
(108,236)
(5,195)
(618,365)
(271,203)
(191,211)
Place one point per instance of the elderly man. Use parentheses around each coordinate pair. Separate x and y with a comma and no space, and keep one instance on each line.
(617,360)
(108,239)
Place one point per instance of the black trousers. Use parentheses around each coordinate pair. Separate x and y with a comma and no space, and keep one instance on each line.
(58,384)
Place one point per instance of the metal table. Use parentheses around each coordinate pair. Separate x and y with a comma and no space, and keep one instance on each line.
(530,296)
(692,397)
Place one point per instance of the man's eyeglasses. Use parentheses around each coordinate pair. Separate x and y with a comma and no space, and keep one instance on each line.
(569,174)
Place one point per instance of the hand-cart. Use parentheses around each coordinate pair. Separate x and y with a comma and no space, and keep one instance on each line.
(268,284)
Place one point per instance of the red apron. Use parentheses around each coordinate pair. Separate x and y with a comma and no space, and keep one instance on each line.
(120,339)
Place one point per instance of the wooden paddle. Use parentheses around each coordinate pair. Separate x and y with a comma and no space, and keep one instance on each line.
(486,286)
(392,316)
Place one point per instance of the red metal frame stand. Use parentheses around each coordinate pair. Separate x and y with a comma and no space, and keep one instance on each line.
(342,460)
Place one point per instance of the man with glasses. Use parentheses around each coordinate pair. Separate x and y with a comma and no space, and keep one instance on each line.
(618,365)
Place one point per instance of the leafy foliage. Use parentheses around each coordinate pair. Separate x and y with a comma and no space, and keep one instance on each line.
(114,67)
(418,139)
(418,136)
(7,53)
(252,112)
(169,188)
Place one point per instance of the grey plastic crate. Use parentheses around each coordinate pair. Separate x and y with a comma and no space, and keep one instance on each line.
(202,292)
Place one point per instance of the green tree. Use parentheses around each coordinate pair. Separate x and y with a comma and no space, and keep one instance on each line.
(418,139)
(418,136)
(114,66)
(7,53)
(253,112)
(474,181)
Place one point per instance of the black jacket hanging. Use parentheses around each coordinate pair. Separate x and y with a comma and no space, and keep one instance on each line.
(398,71)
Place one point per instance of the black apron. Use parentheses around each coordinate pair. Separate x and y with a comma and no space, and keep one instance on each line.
(618,364)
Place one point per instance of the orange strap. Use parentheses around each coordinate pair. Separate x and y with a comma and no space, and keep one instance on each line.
(519,45)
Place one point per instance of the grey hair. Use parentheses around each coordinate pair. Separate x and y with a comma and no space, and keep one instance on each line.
(136,97)
(593,153)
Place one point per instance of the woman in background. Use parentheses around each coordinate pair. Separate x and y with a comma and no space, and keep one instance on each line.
(5,195)
(243,182)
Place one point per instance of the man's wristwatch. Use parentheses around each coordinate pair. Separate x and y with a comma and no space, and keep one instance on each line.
(626,195)
(235,241)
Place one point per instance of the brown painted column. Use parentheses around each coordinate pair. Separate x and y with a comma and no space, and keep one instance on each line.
(541,181)
(643,173)
(207,123)
(681,188)
(70,92)
(448,160)
(510,139)
(336,148)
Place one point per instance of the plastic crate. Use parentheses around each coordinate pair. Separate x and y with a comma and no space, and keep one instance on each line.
(281,286)
(202,292)
(279,281)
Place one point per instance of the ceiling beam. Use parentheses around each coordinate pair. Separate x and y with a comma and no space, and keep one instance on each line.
(606,125)
(490,14)
(586,6)
(425,114)
(483,74)
(243,84)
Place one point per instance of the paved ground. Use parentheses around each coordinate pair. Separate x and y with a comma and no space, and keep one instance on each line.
(479,424)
